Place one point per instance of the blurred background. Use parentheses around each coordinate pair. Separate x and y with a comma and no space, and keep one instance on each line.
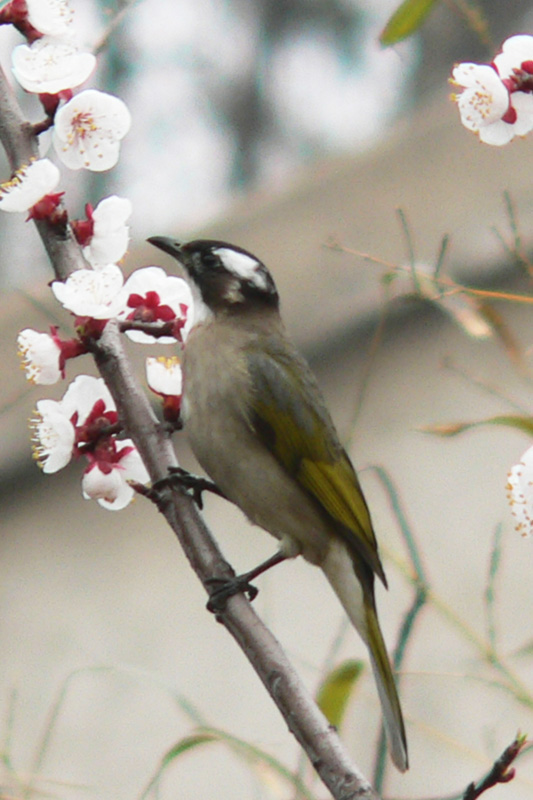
(284,127)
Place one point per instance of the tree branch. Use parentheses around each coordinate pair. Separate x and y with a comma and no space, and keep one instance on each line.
(307,723)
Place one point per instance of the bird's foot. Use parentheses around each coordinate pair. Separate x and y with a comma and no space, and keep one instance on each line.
(224,588)
(194,485)
(221,589)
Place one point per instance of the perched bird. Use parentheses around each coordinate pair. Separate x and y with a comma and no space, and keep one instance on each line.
(257,423)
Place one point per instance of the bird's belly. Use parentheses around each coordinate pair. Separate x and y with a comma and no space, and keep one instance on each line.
(250,477)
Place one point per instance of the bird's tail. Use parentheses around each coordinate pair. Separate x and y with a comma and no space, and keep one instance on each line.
(360,607)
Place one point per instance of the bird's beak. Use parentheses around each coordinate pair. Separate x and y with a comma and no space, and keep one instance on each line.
(170,246)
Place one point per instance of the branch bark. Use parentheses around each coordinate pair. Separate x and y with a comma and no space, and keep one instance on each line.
(307,723)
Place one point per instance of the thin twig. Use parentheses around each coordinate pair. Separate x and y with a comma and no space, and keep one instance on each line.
(500,772)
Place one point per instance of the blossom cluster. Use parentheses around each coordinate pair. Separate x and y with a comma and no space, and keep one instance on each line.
(497,98)
(85,421)
(148,306)
(82,424)
(87,127)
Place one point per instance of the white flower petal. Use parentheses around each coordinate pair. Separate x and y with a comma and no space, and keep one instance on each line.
(132,463)
(520,493)
(49,66)
(515,51)
(484,99)
(498,133)
(88,130)
(52,17)
(40,356)
(110,214)
(53,436)
(92,293)
(107,249)
(82,394)
(111,235)
(29,185)
(99,485)
(164,375)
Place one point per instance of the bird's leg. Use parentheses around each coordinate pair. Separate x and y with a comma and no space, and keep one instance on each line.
(194,484)
(222,589)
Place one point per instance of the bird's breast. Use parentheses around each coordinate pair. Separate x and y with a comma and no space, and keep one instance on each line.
(216,407)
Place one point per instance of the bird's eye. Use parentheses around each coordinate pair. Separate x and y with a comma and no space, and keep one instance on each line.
(210,260)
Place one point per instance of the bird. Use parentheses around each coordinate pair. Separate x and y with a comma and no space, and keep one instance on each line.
(257,424)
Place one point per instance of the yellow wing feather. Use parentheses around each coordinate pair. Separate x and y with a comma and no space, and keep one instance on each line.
(293,422)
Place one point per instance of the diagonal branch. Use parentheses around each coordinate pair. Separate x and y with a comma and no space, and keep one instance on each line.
(307,723)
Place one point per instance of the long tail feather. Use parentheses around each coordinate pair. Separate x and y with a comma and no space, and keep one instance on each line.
(390,703)
(359,605)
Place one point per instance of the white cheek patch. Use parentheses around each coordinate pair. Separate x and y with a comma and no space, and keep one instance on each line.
(200,311)
(243,266)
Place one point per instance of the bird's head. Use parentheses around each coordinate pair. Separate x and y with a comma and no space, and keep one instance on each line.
(226,278)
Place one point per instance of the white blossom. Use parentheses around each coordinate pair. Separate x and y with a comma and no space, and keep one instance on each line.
(517,53)
(164,375)
(29,185)
(48,66)
(497,101)
(150,295)
(483,102)
(520,493)
(40,356)
(107,481)
(81,396)
(111,234)
(88,130)
(92,292)
(52,17)
(53,436)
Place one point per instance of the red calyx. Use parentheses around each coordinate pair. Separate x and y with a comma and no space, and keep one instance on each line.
(84,228)
(16,14)
(47,208)
(148,308)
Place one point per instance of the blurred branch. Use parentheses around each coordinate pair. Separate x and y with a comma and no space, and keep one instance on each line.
(488,388)
(115,21)
(369,362)
(515,249)
(490,594)
(475,17)
(303,718)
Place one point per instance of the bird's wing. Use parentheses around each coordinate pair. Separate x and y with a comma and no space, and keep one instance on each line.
(290,417)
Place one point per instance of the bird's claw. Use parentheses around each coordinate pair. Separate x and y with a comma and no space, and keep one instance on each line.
(221,589)
(194,485)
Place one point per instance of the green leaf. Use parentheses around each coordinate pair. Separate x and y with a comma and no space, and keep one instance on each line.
(249,753)
(336,690)
(407,18)
(185,744)
(524,424)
